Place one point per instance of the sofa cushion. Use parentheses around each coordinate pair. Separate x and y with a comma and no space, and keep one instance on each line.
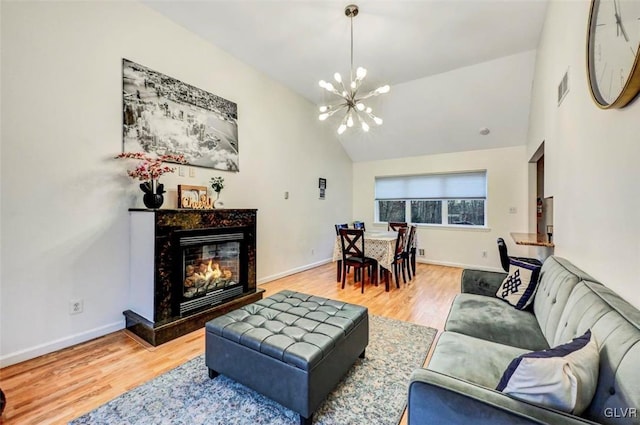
(562,378)
(494,320)
(519,286)
(557,279)
(472,359)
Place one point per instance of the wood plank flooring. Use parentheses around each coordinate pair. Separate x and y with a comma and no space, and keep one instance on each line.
(58,387)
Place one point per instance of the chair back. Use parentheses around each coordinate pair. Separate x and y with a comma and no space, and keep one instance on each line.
(352,243)
(504,256)
(359,225)
(410,239)
(401,241)
(341,226)
(395,225)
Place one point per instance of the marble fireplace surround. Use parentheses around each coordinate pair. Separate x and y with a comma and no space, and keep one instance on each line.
(153,313)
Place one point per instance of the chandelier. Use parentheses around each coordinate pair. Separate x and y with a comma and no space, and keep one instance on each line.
(350,99)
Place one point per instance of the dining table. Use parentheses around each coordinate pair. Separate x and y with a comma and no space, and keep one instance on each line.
(379,245)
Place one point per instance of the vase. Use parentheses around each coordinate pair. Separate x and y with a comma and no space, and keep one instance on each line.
(153,200)
(153,191)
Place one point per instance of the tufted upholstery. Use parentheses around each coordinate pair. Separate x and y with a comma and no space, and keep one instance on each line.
(558,277)
(292,327)
(482,336)
(616,326)
(291,347)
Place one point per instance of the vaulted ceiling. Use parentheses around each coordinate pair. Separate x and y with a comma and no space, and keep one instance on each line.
(454,66)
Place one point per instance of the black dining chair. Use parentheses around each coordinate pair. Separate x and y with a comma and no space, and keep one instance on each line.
(410,252)
(341,226)
(398,257)
(339,262)
(353,254)
(504,256)
(359,225)
(395,225)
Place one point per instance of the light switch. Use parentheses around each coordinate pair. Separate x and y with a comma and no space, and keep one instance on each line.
(181,171)
(286,195)
(192,172)
(513,210)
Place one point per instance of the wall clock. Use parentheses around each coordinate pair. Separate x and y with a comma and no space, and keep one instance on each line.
(613,52)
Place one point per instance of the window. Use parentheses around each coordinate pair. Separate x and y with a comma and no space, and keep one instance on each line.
(443,199)
(392,210)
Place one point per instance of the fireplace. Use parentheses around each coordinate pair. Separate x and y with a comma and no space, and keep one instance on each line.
(187,267)
(212,267)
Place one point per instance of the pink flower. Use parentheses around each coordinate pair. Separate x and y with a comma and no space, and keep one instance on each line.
(150,168)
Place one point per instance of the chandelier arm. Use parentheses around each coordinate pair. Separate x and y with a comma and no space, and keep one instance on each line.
(372,93)
(332,89)
(363,123)
(344,90)
(338,108)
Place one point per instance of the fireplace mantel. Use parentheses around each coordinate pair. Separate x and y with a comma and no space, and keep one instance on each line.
(153,313)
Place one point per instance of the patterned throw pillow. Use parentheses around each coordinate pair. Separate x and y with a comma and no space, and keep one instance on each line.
(563,378)
(519,286)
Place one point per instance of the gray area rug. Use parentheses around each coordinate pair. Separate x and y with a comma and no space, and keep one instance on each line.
(373,392)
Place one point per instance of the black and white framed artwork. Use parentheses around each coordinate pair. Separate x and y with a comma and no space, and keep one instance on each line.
(163,115)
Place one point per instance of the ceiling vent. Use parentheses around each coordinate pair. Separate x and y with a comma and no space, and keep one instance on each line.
(563,87)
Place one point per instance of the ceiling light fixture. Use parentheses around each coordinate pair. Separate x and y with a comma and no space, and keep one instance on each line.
(355,109)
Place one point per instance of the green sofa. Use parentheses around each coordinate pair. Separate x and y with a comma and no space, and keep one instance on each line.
(484,333)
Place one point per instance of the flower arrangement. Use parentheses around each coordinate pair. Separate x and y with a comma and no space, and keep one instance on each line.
(217,184)
(150,168)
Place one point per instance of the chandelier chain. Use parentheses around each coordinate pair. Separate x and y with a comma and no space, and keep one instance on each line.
(351,69)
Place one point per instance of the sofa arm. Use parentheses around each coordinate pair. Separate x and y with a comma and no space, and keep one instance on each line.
(439,399)
(481,282)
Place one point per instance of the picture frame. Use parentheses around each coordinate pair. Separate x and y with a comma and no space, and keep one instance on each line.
(163,115)
(322,183)
(194,197)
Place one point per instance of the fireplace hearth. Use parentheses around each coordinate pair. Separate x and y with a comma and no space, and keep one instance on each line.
(187,267)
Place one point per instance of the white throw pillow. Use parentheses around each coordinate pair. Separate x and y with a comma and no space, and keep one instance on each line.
(519,287)
(563,378)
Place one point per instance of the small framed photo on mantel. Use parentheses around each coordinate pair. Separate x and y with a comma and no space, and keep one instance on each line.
(194,197)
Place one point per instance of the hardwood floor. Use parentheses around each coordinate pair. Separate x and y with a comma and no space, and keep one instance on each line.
(58,387)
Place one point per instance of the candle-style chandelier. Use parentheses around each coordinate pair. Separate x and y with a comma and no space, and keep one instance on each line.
(351,101)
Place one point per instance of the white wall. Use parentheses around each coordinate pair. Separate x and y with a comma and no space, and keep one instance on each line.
(591,158)
(506,183)
(444,112)
(64,218)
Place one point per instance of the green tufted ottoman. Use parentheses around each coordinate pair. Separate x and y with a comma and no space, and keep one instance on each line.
(291,347)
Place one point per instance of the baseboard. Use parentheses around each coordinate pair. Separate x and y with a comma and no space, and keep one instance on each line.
(460,265)
(59,344)
(293,271)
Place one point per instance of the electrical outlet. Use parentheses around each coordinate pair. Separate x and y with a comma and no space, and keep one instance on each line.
(76,306)
(181,171)
(192,172)
(421,252)
(313,251)
(484,254)
(513,210)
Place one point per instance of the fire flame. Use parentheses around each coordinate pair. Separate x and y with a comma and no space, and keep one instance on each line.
(213,273)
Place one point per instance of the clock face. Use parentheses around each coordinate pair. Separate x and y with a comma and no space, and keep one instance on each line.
(612,51)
